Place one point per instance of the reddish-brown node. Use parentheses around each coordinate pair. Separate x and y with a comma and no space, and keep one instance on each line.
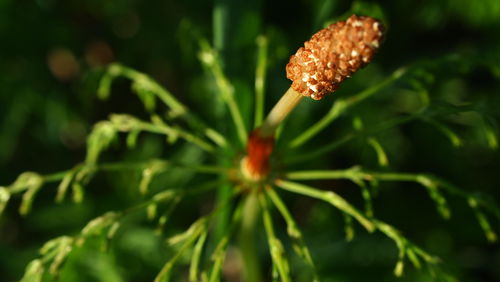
(259,151)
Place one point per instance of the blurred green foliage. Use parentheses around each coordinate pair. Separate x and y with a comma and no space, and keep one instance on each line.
(52,57)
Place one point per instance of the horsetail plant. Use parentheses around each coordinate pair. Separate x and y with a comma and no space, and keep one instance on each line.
(328,58)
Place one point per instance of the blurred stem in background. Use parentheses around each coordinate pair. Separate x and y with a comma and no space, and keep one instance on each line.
(220,26)
(227,15)
(250,253)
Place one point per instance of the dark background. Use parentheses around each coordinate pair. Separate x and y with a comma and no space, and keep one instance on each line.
(51,57)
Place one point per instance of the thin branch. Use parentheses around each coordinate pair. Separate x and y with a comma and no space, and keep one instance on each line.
(23,183)
(328,196)
(406,248)
(116,70)
(208,57)
(293,231)
(145,82)
(275,246)
(219,253)
(356,173)
(55,252)
(128,123)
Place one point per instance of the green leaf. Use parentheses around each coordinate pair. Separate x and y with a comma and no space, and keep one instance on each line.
(104,88)
(483,220)
(98,226)
(348,227)
(275,246)
(100,138)
(78,192)
(435,194)
(63,186)
(145,95)
(32,182)
(195,258)
(188,237)
(34,271)
(4,198)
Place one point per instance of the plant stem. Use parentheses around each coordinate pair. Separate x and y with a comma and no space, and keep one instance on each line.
(356,173)
(285,105)
(248,238)
(126,166)
(327,196)
(210,58)
(293,231)
(178,109)
(276,249)
(160,127)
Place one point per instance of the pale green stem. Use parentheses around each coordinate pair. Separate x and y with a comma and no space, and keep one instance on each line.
(357,173)
(249,249)
(195,259)
(275,246)
(379,150)
(178,109)
(236,117)
(192,234)
(127,123)
(342,105)
(169,130)
(293,231)
(220,31)
(260,79)
(189,237)
(124,166)
(219,253)
(108,221)
(450,134)
(328,196)
(280,111)
(372,224)
(210,59)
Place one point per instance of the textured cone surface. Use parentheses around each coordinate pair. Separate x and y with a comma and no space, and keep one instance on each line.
(333,54)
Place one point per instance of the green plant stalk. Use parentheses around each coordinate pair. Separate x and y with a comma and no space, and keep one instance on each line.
(221,15)
(177,108)
(379,150)
(342,105)
(219,254)
(280,262)
(124,166)
(406,248)
(94,227)
(210,59)
(195,259)
(356,173)
(260,79)
(237,118)
(293,231)
(127,123)
(192,235)
(220,24)
(249,249)
(329,197)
